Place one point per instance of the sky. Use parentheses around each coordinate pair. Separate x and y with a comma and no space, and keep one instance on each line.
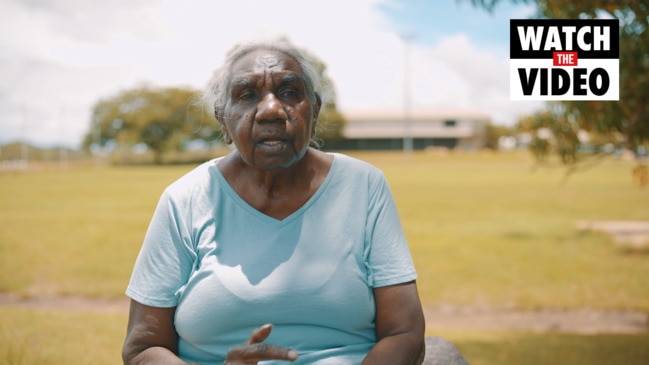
(59,57)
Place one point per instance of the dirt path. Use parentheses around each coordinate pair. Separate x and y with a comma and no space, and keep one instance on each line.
(65,303)
(443,317)
(582,321)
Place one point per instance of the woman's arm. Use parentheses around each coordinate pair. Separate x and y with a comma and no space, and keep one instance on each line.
(151,336)
(400,326)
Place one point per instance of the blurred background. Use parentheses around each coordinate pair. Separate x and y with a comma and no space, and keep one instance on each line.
(60,57)
(528,221)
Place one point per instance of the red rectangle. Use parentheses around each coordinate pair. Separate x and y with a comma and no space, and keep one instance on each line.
(564,58)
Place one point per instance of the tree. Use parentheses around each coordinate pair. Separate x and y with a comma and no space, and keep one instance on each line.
(160,118)
(165,118)
(330,121)
(493,134)
(623,123)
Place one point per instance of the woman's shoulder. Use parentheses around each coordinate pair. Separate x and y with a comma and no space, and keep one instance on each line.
(196,178)
(354,165)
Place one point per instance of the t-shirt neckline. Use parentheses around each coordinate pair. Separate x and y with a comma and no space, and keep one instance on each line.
(225,185)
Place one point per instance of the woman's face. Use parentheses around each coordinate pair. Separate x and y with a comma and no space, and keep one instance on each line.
(268,115)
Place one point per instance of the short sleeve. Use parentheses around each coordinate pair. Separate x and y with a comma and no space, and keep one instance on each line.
(387,254)
(166,258)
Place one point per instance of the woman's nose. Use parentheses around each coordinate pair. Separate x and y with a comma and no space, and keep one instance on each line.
(270,109)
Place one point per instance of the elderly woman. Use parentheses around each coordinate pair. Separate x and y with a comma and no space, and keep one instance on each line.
(277,251)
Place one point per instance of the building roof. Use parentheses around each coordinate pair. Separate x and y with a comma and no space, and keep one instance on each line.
(416,114)
(437,123)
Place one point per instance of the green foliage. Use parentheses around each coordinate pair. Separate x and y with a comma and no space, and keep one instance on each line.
(627,117)
(623,123)
(492,135)
(161,118)
(330,121)
(165,119)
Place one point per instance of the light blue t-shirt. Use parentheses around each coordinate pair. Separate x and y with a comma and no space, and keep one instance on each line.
(229,268)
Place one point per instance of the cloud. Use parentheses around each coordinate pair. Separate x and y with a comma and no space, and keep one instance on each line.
(457,74)
(58,57)
(91,21)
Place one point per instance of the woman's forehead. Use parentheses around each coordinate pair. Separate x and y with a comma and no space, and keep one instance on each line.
(263,60)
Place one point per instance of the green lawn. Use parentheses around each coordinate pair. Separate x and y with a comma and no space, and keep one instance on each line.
(41,337)
(77,231)
(484,229)
(502,348)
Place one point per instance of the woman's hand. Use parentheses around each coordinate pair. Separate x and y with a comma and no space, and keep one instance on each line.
(256,350)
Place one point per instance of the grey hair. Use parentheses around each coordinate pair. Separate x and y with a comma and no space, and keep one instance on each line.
(216,93)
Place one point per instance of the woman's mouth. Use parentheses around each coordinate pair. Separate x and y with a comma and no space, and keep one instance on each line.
(272,142)
(272,145)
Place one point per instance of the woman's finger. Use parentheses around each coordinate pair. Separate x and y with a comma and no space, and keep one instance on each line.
(258,352)
(260,334)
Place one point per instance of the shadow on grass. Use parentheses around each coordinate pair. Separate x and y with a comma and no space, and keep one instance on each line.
(555,349)
(634,251)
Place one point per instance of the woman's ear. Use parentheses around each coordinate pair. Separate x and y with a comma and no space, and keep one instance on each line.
(316,108)
(226,135)
(316,113)
(224,130)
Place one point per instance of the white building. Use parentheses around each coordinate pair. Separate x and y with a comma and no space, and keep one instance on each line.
(385,130)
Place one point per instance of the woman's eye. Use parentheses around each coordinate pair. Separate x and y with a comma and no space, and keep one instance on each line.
(288,94)
(246,95)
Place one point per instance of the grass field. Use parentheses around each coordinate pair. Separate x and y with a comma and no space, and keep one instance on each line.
(484,229)
(33,337)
